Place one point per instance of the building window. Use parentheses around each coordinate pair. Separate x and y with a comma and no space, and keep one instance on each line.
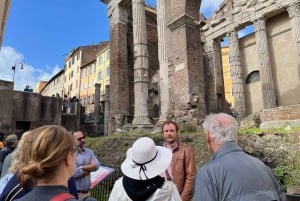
(254,76)
(107,55)
(107,71)
(73,60)
(99,60)
(99,76)
(78,56)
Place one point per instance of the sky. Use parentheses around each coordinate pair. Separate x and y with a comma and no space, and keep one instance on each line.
(40,34)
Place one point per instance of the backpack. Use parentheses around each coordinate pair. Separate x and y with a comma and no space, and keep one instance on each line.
(62,197)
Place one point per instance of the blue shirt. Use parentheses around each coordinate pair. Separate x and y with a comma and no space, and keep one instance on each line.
(233,175)
(84,157)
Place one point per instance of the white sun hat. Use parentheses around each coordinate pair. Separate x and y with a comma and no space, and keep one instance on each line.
(144,160)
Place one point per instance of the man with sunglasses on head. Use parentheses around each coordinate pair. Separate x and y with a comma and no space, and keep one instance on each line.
(86,162)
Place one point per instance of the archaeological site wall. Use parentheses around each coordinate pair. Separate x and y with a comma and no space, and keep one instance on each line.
(172,69)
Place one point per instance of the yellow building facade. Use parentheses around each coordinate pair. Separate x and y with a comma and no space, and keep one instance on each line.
(226,76)
(103,70)
(95,72)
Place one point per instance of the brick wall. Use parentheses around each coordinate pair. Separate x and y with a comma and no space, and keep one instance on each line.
(281,113)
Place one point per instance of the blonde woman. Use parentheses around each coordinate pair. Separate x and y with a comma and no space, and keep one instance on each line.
(52,162)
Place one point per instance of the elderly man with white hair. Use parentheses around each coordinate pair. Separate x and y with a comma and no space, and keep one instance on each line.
(232,174)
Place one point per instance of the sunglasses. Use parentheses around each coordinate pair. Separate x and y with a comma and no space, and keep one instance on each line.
(81,138)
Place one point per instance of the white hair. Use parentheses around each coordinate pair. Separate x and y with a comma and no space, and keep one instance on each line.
(222,127)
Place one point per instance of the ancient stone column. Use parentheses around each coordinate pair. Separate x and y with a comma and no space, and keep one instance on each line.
(163,61)
(218,74)
(266,78)
(140,64)
(106,110)
(97,107)
(236,73)
(119,69)
(214,82)
(294,13)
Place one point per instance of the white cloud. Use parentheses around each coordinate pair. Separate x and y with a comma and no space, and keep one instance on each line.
(30,75)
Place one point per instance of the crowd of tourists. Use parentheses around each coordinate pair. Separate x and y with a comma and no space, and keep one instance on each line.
(50,163)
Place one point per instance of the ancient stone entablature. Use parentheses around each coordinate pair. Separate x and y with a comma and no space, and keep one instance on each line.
(234,15)
(240,14)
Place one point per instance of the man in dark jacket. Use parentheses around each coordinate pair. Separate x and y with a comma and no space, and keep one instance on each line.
(11,142)
(232,174)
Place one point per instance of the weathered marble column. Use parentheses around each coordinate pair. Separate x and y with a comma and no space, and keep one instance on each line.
(294,13)
(218,74)
(236,73)
(266,78)
(106,110)
(163,61)
(97,106)
(214,83)
(140,64)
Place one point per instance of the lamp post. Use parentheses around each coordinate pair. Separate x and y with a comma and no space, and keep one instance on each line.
(13,68)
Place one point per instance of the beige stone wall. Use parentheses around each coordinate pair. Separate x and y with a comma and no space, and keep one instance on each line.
(249,58)
(283,61)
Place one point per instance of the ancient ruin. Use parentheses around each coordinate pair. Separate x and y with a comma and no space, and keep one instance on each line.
(184,72)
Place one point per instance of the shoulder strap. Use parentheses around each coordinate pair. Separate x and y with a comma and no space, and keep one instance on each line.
(13,192)
(62,197)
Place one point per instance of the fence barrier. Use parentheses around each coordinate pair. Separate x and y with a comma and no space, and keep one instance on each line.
(102,190)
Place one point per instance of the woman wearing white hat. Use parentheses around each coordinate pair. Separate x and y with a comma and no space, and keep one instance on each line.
(142,168)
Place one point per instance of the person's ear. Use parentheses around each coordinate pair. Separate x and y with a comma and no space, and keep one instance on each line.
(207,137)
(70,159)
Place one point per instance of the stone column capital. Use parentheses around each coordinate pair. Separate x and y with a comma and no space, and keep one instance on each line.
(259,24)
(117,13)
(232,36)
(294,10)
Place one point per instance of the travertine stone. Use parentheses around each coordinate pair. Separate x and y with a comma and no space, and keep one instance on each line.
(106,110)
(97,106)
(140,63)
(266,78)
(236,73)
(163,61)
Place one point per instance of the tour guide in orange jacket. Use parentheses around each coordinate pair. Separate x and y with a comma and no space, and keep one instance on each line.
(183,166)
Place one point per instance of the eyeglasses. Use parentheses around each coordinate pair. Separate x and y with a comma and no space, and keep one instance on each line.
(81,138)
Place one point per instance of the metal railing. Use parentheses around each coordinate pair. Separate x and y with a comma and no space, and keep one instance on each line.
(102,191)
